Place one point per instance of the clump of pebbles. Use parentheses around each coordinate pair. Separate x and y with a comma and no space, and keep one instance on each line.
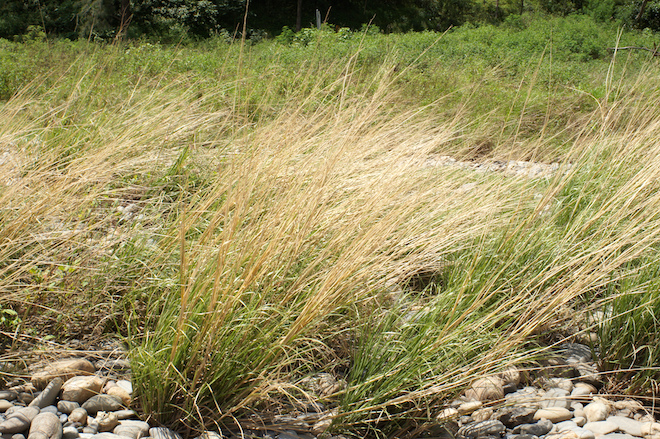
(563,404)
(71,399)
(76,399)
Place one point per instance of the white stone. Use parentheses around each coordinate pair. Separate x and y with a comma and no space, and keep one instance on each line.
(650,428)
(555,397)
(80,388)
(126,385)
(120,393)
(565,425)
(526,397)
(45,426)
(562,383)
(627,425)
(469,407)
(78,415)
(482,414)
(581,390)
(617,436)
(629,404)
(601,427)
(132,429)
(596,411)
(447,414)
(486,389)
(553,414)
(107,421)
(583,433)
(64,369)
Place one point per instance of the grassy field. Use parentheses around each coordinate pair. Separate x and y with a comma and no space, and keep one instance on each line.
(247,216)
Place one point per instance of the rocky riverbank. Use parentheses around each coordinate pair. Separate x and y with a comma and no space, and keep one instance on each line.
(76,398)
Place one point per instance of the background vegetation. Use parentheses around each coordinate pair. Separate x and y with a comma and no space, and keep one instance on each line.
(181,20)
(247,216)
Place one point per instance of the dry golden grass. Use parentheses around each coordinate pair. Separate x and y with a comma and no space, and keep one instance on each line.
(248,253)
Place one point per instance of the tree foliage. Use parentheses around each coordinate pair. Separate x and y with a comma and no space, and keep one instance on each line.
(173,20)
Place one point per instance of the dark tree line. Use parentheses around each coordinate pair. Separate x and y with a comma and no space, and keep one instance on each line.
(172,19)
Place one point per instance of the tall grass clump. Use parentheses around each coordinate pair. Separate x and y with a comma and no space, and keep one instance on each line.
(246,233)
(316,224)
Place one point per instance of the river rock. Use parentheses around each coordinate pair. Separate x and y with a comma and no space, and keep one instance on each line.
(601,427)
(92,426)
(650,429)
(26,397)
(588,373)
(107,421)
(132,429)
(121,394)
(63,369)
(9,395)
(78,415)
(509,388)
(576,353)
(486,389)
(70,432)
(555,397)
(80,388)
(108,436)
(322,425)
(565,425)
(629,404)
(45,426)
(163,433)
(627,425)
(540,428)
(482,429)
(525,397)
(5,405)
(582,391)
(483,414)
(596,411)
(104,403)
(125,414)
(579,420)
(19,420)
(67,406)
(553,414)
(521,436)
(113,365)
(447,414)
(583,433)
(48,395)
(617,436)
(126,385)
(561,383)
(514,416)
(467,408)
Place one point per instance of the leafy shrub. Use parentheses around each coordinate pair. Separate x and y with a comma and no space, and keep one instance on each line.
(286,36)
